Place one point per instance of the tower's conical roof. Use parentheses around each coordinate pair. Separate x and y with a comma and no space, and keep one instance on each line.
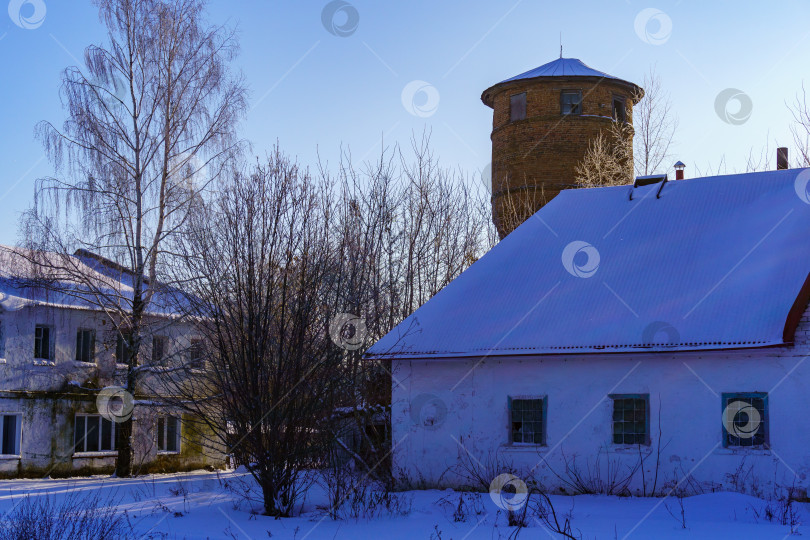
(562,68)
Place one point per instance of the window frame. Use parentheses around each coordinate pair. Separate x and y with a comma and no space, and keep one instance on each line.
(2,336)
(647,437)
(196,345)
(121,345)
(562,102)
(92,345)
(113,435)
(17,435)
(512,111)
(161,361)
(619,99)
(38,342)
(164,432)
(725,398)
(543,420)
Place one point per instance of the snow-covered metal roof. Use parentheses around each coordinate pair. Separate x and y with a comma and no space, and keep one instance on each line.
(714,263)
(562,67)
(79,281)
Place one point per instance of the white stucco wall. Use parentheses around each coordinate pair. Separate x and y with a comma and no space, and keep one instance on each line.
(688,386)
(43,393)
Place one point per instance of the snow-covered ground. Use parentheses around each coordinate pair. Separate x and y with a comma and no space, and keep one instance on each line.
(206,505)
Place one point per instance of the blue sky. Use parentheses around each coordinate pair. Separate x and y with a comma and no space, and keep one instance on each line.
(314,91)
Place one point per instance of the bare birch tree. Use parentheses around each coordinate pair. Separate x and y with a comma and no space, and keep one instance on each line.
(654,124)
(150,121)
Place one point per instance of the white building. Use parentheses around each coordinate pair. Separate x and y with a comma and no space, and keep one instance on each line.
(616,322)
(56,352)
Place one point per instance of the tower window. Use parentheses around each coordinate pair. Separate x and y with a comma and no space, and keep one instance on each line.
(517,107)
(619,109)
(571,102)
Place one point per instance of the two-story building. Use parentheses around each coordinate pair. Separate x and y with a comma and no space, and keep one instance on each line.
(60,369)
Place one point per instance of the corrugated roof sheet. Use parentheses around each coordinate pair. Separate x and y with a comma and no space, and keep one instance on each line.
(717,262)
(562,67)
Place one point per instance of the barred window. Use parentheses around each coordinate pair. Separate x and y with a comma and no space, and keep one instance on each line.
(527,420)
(631,419)
(745,420)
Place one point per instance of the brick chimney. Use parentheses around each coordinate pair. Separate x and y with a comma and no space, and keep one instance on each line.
(679,167)
(781,158)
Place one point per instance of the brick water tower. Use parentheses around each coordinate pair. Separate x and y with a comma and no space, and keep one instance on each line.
(543,121)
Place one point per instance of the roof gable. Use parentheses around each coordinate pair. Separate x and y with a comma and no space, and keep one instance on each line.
(717,262)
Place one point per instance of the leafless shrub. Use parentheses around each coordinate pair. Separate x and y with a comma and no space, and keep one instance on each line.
(609,159)
(608,477)
(369,499)
(462,506)
(540,509)
(679,512)
(478,473)
(71,517)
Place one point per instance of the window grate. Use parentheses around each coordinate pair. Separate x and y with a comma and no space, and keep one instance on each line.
(630,420)
(527,418)
(745,420)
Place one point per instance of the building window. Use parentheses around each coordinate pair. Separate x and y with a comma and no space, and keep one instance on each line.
(619,109)
(631,420)
(10,431)
(2,338)
(195,354)
(745,420)
(122,347)
(94,433)
(86,345)
(571,102)
(517,107)
(43,346)
(527,418)
(159,350)
(168,434)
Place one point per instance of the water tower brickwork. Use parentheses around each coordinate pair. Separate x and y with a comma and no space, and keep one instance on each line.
(536,148)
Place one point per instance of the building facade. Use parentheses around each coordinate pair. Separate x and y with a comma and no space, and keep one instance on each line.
(628,338)
(60,376)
